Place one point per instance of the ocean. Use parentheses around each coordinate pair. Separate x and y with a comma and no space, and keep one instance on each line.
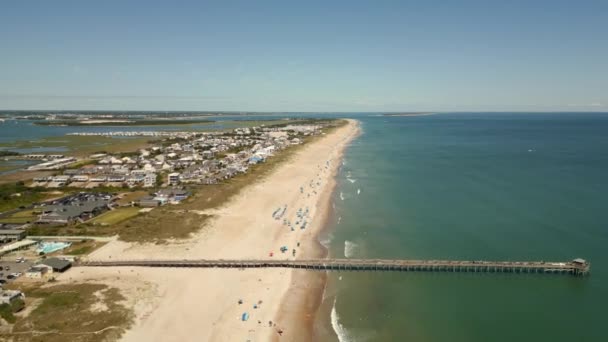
(471,186)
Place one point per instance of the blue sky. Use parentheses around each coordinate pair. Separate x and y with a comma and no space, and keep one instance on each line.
(305,55)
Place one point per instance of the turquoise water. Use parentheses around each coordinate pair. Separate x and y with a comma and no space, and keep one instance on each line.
(472,186)
(50,247)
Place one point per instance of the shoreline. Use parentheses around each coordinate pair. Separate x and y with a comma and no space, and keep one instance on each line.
(309,299)
(243,228)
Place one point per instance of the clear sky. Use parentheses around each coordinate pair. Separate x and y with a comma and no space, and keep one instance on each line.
(305,55)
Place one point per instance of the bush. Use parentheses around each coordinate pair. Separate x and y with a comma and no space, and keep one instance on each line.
(6,312)
(17,305)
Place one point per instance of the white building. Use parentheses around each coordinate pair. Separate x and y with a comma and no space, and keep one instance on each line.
(173,178)
(150,180)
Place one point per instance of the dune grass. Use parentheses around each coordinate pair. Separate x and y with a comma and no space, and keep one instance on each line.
(20,217)
(115,216)
(67,313)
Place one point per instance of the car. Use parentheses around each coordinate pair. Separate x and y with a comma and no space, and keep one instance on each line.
(2,281)
(10,277)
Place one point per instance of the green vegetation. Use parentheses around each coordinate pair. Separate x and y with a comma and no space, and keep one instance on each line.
(82,247)
(4,153)
(7,310)
(115,216)
(15,195)
(71,309)
(20,217)
(81,163)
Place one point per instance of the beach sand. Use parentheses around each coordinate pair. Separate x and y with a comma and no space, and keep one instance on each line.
(202,304)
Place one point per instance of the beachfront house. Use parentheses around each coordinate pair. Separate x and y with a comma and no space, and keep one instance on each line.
(11,234)
(56,264)
(38,271)
(149,202)
(73,211)
(173,178)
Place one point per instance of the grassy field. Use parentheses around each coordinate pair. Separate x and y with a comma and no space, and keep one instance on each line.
(67,313)
(115,216)
(15,195)
(82,247)
(20,217)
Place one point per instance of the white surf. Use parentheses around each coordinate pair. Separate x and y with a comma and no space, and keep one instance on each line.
(338,328)
(349,248)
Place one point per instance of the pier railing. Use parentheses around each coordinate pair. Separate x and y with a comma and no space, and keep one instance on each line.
(576,267)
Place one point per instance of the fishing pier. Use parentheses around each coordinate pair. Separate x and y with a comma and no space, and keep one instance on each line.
(576,267)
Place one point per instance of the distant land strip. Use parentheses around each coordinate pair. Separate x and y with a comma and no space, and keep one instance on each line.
(409,114)
(118,122)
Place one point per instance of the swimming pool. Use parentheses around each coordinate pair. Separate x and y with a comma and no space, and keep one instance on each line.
(50,247)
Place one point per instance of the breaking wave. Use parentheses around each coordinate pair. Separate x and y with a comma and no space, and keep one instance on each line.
(349,248)
(326,241)
(338,328)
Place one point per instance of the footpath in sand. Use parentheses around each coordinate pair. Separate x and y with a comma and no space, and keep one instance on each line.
(286,208)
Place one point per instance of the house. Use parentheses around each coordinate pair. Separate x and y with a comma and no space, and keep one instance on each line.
(116,178)
(38,271)
(61,179)
(80,178)
(579,261)
(150,180)
(8,296)
(57,265)
(72,212)
(127,160)
(256,159)
(172,195)
(149,201)
(10,235)
(173,178)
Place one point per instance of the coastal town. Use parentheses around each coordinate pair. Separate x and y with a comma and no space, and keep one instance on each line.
(103,189)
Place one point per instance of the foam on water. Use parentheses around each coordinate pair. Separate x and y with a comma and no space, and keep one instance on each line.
(349,248)
(338,328)
(326,241)
(351,180)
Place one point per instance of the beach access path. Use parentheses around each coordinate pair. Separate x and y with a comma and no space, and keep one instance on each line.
(203,304)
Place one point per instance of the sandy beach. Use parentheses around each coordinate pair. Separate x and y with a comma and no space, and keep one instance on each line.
(203,304)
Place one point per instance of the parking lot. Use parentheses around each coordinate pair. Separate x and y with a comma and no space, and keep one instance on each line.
(11,266)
